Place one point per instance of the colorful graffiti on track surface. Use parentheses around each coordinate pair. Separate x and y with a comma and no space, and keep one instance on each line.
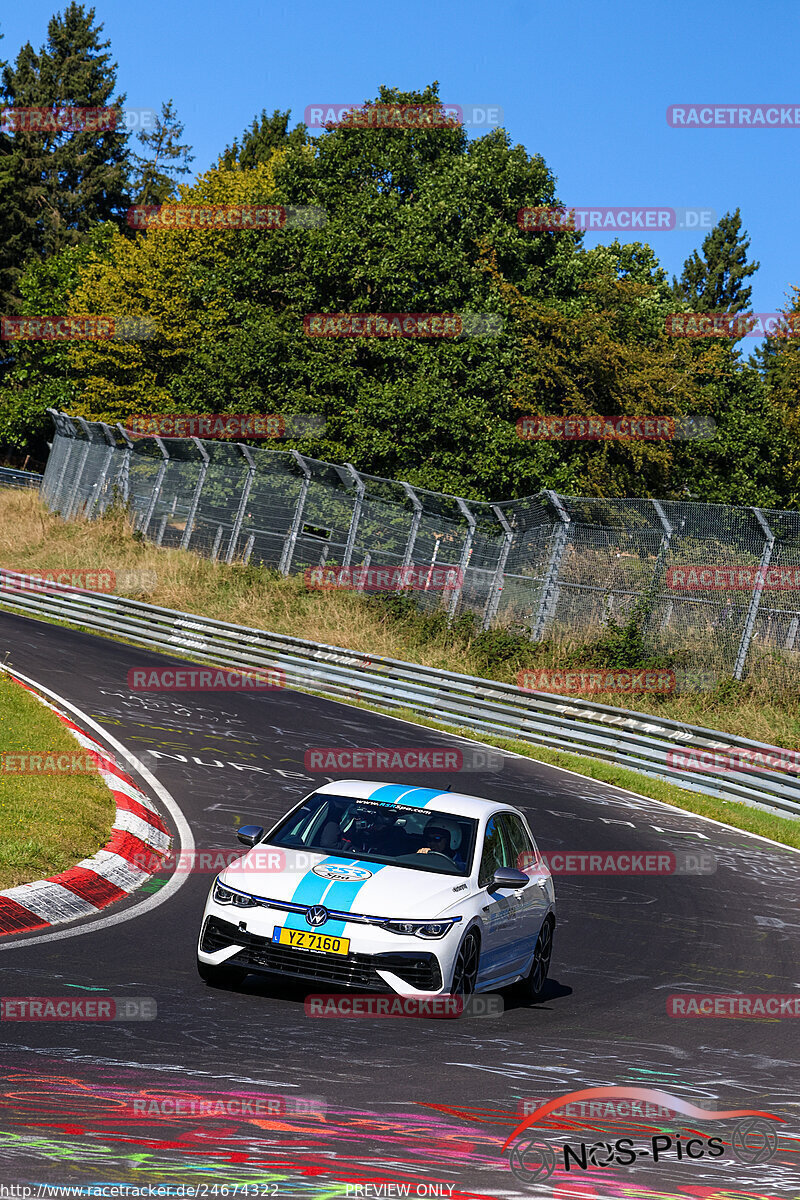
(68,1128)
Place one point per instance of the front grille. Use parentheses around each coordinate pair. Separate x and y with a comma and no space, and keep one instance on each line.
(352,970)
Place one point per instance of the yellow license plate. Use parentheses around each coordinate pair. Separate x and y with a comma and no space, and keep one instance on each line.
(310,941)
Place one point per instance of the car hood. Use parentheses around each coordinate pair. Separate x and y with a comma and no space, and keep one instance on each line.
(371,889)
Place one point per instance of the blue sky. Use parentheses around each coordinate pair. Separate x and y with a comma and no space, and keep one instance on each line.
(586,85)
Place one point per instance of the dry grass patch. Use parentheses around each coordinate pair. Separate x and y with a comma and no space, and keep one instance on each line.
(765,708)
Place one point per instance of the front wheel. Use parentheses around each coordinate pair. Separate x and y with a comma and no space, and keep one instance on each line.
(532,986)
(465,972)
(221,976)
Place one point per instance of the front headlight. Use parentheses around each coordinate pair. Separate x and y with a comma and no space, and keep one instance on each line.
(226,895)
(422,929)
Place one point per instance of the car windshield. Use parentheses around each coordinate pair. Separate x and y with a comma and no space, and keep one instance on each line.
(374,831)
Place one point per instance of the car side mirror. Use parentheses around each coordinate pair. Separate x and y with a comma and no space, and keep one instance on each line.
(248,835)
(509,877)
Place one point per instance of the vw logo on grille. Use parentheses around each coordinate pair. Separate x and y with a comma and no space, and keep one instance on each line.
(317,915)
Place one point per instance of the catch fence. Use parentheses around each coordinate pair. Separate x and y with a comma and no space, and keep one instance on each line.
(714,579)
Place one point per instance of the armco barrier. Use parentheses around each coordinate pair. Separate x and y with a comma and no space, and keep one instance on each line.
(10,477)
(635,740)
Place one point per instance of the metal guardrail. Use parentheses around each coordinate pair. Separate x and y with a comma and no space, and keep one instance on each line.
(638,741)
(10,477)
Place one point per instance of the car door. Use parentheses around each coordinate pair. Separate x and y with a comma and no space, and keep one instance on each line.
(499,906)
(531,901)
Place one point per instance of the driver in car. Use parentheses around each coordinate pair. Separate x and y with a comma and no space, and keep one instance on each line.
(436,840)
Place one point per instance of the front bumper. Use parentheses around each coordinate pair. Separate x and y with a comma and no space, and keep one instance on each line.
(409,969)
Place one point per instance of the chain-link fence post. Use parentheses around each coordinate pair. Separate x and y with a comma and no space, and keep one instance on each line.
(663,551)
(463,563)
(56,471)
(755,599)
(201,478)
(285,564)
(242,509)
(124,473)
(493,599)
(356,517)
(108,434)
(408,554)
(159,480)
(548,597)
(72,503)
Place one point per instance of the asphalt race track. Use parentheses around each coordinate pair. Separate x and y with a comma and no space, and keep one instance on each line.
(382,1102)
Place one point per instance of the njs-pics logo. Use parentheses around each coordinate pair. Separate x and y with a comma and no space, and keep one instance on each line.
(753,1139)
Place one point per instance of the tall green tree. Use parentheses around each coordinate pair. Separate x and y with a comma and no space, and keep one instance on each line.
(39,374)
(155,172)
(262,139)
(68,181)
(13,225)
(716,282)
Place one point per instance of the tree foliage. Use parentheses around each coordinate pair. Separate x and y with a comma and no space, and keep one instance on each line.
(419,220)
(262,138)
(66,182)
(155,172)
(715,282)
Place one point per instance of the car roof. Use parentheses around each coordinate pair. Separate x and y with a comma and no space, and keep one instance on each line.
(458,804)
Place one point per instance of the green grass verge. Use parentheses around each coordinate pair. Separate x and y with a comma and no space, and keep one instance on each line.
(47,822)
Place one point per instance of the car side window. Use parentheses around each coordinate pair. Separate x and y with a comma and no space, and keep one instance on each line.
(495,852)
(523,851)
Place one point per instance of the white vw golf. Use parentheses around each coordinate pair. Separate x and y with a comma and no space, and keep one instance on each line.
(387,888)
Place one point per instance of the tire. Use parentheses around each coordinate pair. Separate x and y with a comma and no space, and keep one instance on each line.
(220,976)
(465,971)
(531,988)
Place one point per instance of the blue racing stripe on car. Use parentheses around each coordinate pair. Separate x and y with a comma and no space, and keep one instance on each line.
(415,797)
(336,894)
(342,894)
(310,888)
